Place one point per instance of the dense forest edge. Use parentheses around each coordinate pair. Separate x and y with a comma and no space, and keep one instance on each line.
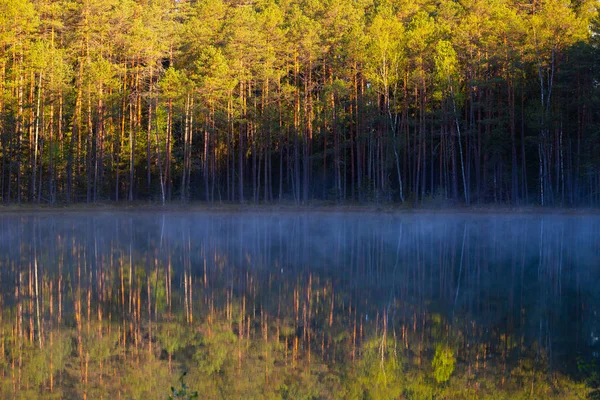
(407,102)
(291,208)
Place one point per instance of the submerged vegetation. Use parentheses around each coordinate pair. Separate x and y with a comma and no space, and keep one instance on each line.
(439,102)
(298,307)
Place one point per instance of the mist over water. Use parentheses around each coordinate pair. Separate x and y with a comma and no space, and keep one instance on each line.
(498,289)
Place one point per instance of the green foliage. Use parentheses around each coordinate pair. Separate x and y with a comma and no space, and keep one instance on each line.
(174,84)
(114,86)
(443,363)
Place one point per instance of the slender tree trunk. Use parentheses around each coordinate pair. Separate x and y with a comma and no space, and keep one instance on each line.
(90,146)
(168,148)
(186,140)
(308,111)
(161,177)
(462,164)
(525,189)
(36,140)
(131,153)
(148,141)
(241,143)
(206,153)
(75,132)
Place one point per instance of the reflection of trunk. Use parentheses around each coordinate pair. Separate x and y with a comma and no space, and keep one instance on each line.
(131,292)
(461,262)
(37,291)
(149,314)
(79,326)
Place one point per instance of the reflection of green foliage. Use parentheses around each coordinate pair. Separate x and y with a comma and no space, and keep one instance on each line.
(437,326)
(139,273)
(443,363)
(226,363)
(214,349)
(148,380)
(184,392)
(158,289)
(591,375)
(101,348)
(59,352)
(420,387)
(378,374)
(299,390)
(172,337)
(315,382)
(36,371)
(287,331)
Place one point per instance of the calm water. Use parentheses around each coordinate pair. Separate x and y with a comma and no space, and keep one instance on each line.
(298,305)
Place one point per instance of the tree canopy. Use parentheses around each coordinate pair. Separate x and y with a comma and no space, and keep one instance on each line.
(298,100)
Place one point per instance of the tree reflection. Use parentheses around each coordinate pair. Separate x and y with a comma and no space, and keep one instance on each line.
(298,305)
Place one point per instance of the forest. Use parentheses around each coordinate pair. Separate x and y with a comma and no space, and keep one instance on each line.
(397,101)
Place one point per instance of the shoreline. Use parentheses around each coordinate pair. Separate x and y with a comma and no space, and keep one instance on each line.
(287,207)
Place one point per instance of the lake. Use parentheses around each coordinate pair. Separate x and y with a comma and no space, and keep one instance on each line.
(299,305)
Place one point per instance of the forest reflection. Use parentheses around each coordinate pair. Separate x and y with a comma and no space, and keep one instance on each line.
(299,305)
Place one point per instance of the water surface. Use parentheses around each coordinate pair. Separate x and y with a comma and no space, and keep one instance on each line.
(299,305)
